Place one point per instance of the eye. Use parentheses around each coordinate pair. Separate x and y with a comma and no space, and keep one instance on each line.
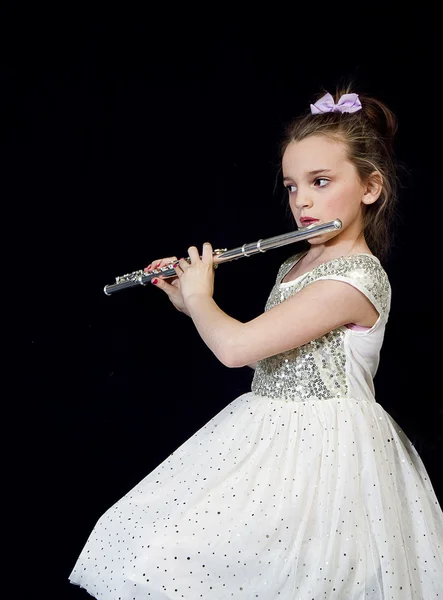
(291,188)
(321,181)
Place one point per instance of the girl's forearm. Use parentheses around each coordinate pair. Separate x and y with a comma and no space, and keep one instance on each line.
(218,330)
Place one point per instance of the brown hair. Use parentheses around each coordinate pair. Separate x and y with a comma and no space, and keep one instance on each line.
(368,135)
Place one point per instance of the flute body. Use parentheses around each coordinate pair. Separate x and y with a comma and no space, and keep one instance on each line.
(137,278)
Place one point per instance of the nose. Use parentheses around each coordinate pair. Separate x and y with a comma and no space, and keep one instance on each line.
(303,200)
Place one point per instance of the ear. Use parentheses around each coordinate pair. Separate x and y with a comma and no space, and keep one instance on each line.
(373,188)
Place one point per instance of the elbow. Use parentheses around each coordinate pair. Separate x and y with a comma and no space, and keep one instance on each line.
(233,364)
(228,360)
(233,359)
(233,352)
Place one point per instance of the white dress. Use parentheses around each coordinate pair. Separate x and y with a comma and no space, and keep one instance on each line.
(303,488)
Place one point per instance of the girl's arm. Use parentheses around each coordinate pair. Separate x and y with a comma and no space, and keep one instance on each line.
(315,310)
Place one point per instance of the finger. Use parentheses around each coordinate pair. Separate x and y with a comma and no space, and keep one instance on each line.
(159,262)
(207,255)
(164,262)
(193,254)
(166,287)
(181,265)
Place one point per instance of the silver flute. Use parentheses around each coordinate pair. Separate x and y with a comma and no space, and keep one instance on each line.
(221,255)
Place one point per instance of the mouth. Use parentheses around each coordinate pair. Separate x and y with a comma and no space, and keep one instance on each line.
(306,221)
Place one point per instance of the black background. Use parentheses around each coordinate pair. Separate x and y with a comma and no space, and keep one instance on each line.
(128,135)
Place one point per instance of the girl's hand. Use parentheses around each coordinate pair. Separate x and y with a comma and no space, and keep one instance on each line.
(196,278)
(171,285)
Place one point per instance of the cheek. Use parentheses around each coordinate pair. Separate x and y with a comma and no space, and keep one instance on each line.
(332,203)
(339,200)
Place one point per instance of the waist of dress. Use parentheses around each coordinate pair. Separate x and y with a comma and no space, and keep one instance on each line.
(294,398)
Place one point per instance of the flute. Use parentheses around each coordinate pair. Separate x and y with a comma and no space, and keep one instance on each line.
(221,255)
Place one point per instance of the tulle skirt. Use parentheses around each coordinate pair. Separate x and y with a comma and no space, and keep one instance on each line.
(324,500)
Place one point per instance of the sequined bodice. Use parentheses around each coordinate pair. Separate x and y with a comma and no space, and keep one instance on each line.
(319,369)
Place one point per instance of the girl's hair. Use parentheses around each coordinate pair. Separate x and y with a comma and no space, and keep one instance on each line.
(368,135)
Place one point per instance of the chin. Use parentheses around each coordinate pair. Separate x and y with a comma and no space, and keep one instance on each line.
(322,238)
(318,239)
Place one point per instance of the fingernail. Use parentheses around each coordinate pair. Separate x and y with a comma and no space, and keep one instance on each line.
(149,266)
(154,281)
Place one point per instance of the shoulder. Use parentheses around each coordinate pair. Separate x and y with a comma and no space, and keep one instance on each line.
(363,265)
(363,271)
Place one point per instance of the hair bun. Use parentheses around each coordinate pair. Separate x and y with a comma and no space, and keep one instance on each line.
(381,119)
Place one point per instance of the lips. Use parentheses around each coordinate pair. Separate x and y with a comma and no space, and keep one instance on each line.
(305,221)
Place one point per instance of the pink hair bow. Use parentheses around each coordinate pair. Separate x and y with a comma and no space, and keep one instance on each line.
(348,103)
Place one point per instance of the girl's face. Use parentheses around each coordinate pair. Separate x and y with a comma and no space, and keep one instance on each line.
(323,185)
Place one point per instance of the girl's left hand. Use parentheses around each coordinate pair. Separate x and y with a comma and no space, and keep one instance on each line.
(196,278)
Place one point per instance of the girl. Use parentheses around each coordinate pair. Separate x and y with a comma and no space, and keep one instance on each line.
(304,487)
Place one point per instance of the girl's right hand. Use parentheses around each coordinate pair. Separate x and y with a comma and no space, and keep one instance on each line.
(171,285)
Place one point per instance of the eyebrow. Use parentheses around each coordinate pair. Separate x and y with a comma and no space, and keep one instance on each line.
(311,173)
